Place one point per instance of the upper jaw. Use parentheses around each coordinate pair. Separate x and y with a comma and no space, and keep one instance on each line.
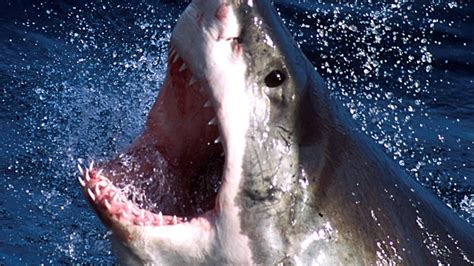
(217,65)
(205,37)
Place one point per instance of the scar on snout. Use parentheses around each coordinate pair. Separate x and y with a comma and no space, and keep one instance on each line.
(222,12)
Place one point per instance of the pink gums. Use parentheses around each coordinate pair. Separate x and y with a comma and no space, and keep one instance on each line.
(110,203)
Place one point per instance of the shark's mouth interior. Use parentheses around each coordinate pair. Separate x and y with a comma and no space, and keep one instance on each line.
(172,173)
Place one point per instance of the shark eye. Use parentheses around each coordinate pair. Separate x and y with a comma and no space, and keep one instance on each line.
(275,78)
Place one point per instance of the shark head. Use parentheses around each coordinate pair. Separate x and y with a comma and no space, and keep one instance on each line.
(215,175)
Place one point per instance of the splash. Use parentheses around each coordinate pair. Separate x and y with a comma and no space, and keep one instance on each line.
(80,79)
(383,62)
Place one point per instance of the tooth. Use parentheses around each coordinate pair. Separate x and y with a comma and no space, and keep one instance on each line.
(160,218)
(192,81)
(88,177)
(176,57)
(107,204)
(91,194)
(80,169)
(208,104)
(172,52)
(175,219)
(97,189)
(218,140)
(83,183)
(142,214)
(99,173)
(213,121)
(182,68)
(91,165)
(115,197)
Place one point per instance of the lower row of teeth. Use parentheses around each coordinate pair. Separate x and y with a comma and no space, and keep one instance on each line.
(105,194)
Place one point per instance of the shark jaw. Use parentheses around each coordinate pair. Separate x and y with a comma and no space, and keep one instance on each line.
(289,186)
(170,198)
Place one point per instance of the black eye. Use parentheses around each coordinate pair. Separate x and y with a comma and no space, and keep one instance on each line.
(275,79)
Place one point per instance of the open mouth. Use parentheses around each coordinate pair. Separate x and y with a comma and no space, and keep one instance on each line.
(172,173)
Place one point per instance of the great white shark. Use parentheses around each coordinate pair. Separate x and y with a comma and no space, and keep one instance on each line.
(246,158)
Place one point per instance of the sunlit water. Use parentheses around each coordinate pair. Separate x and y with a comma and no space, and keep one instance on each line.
(76,81)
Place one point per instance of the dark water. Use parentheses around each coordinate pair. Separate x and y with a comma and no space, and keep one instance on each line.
(77,80)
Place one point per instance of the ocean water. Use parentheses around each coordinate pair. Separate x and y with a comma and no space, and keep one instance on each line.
(77,80)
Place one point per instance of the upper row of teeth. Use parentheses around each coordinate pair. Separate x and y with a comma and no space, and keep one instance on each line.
(173,55)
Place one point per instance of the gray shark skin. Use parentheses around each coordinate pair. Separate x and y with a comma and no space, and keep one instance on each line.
(246,159)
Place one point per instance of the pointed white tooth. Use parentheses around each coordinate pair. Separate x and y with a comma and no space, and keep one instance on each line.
(218,140)
(208,104)
(115,196)
(99,173)
(88,177)
(192,80)
(80,169)
(175,219)
(97,189)
(176,57)
(91,194)
(213,121)
(160,218)
(142,214)
(91,165)
(83,183)
(172,52)
(107,204)
(183,67)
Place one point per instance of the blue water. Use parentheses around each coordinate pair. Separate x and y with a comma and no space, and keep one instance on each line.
(77,80)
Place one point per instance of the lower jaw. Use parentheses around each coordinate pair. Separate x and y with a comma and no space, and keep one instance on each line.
(115,208)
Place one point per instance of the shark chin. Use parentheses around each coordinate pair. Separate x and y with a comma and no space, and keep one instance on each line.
(246,158)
